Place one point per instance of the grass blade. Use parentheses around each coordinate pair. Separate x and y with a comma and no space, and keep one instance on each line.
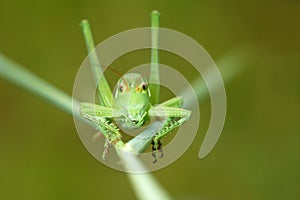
(22,77)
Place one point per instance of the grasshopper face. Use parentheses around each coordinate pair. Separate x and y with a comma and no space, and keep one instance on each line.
(132,97)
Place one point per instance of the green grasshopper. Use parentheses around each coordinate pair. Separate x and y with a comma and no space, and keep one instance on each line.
(131,104)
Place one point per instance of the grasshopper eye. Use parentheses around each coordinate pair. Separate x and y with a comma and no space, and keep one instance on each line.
(121,88)
(144,86)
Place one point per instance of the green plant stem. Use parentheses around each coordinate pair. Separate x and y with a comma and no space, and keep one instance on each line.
(231,64)
(151,191)
(22,77)
(145,185)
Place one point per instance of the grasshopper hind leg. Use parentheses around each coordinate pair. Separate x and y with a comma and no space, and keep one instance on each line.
(156,146)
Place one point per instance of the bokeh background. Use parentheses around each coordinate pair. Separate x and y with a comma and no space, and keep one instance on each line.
(257,156)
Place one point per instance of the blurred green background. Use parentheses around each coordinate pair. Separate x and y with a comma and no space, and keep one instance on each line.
(257,156)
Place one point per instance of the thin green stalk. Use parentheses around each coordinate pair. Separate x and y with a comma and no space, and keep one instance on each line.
(22,77)
(231,64)
(144,185)
(144,139)
(145,193)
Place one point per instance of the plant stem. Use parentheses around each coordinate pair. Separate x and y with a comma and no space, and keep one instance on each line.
(231,64)
(151,189)
(22,77)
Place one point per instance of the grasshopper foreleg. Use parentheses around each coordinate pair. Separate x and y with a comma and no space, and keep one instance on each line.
(175,118)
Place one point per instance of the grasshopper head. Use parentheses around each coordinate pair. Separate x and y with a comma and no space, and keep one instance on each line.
(132,97)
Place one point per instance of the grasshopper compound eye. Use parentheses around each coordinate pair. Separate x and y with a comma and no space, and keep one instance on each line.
(121,88)
(144,86)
